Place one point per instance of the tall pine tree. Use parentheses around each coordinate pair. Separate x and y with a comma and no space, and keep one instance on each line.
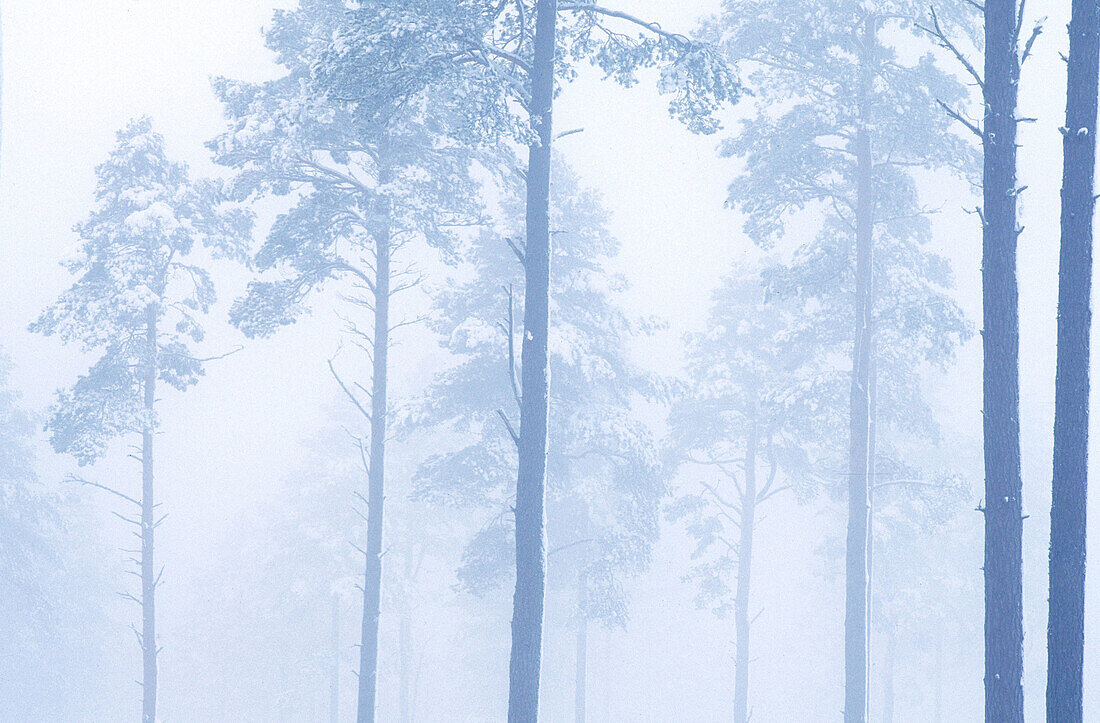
(138,301)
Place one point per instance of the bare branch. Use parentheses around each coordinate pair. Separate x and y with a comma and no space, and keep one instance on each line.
(1035,33)
(936,31)
(718,496)
(958,116)
(133,521)
(517,251)
(575,543)
(508,425)
(128,498)
(201,360)
(348,392)
(503,55)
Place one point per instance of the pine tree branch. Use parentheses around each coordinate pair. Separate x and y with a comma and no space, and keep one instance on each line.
(652,27)
(936,31)
(90,483)
(350,395)
(508,426)
(958,116)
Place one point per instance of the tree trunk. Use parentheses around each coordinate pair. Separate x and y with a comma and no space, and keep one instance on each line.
(744,573)
(527,606)
(372,586)
(855,612)
(580,681)
(148,524)
(1004,695)
(1066,621)
(334,689)
(872,510)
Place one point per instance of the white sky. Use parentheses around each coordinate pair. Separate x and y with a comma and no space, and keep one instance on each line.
(76,70)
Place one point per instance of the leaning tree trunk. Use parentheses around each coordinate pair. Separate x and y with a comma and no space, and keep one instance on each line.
(1004,695)
(372,584)
(856,573)
(527,605)
(1066,620)
(148,524)
(744,575)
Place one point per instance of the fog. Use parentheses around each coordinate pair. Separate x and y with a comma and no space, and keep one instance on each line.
(686,334)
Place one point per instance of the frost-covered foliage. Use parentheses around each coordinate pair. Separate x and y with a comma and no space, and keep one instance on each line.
(357,183)
(53,589)
(138,267)
(604,484)
(481,51)
(30,519)
(800,163)
(818,74)
(752,389)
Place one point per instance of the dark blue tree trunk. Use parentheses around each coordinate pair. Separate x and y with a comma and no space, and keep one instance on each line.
(527,605)
(1066,621)
(1004,634)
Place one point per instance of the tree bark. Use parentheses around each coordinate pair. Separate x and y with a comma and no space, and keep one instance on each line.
(1004,696)
(856,572)
(744,576)
(1066,620)
(527,613)
(372,586)
(148,524)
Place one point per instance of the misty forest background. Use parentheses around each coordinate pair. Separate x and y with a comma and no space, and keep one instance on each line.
(339,383)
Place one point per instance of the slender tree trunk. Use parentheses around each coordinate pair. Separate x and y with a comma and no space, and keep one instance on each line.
(527,606)
(856,573)
(148,524)
(1066,621)
(1004,695)
(334,688)
(372,586)
(744,576)
(871,511)
(580,689)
